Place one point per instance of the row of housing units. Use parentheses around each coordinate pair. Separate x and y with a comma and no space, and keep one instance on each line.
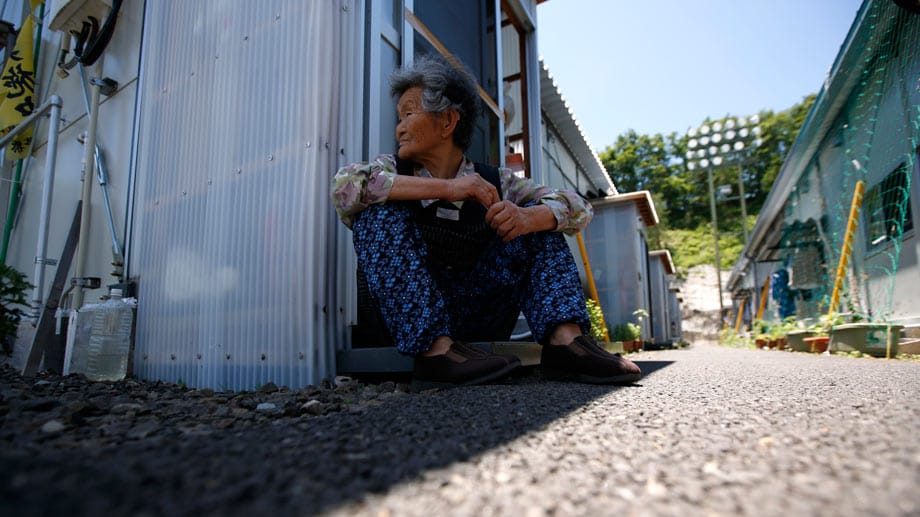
(860,140)
(219,136)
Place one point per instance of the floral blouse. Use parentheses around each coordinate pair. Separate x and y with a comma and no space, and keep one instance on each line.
(358,185)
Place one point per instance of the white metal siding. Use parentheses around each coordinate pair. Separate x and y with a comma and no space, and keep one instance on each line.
(235,244)
(120,62)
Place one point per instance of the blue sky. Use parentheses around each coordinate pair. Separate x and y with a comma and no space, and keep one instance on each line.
(665,65)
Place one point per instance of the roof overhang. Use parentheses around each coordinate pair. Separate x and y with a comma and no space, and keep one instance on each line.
(563,120)
(665,257)
(642,199)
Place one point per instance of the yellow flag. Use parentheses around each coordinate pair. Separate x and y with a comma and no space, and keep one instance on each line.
(17,89)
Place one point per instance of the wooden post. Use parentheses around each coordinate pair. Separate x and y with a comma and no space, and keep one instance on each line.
(740,313)
(763,298)
(591,286)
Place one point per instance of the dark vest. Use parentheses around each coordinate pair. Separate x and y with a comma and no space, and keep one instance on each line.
(455,238)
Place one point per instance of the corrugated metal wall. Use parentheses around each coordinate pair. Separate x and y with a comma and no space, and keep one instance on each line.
(234,241)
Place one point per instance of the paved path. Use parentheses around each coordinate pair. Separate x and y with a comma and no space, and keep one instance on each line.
(709,431)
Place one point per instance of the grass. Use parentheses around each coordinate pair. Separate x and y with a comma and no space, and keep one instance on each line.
(694,247)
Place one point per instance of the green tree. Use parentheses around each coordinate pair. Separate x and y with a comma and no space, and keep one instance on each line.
(656,163)
(647,162)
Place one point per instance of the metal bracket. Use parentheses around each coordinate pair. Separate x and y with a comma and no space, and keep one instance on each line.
(45,261)
(107,85)
(90,282)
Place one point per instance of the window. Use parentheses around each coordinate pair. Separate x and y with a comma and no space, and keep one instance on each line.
(887,209)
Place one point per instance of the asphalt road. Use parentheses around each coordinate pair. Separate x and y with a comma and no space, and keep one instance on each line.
(708,431)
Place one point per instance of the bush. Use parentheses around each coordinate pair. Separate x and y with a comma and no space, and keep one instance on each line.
(13,287)
(598,327)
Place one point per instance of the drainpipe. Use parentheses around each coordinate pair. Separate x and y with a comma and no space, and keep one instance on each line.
(54,105)
(89,165)
(41,248)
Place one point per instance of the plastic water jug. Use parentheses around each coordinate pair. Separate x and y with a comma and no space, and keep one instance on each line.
(110,339)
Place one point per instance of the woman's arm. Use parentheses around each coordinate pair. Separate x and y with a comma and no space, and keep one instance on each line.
(470,187)
(359,185)
(571,212)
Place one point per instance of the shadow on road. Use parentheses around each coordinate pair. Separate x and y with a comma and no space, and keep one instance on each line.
(650,367)
(293,466)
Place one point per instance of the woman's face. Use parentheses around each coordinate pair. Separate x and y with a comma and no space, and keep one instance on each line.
(418,132)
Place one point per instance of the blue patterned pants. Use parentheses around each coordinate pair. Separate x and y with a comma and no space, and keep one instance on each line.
(534,274)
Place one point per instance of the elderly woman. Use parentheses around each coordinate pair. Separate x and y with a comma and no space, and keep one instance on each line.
(453,251)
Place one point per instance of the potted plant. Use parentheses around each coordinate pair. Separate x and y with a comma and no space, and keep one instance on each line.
(619,336)
(795,337)
(818,342)
(878,339)
(779,332)
(636,328)
(634,332)
(761,330)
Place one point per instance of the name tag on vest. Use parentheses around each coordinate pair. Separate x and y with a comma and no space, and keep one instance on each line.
(449,214)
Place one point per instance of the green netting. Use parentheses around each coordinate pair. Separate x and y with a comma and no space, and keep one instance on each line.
(873,139)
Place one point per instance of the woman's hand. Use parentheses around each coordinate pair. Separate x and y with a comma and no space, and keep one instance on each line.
(472,187)
(511,221)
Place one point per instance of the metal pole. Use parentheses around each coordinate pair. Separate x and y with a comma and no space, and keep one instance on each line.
(41,249)
(101,172)
(744,221)
(89,163)
(715,239)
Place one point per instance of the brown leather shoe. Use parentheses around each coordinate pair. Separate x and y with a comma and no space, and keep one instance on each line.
(462,365)
(583,360)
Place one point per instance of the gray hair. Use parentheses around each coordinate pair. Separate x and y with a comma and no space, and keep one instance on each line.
(444,87)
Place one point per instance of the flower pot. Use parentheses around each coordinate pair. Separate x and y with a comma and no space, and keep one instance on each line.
(817,344)
(795,340)
(869,338)
(760,343)
(615,347)
(781,343)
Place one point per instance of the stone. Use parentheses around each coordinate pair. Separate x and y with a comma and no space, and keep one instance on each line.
(266,407)
(269,387)
(126,407)
(313,407)
(53,426)
(386,387)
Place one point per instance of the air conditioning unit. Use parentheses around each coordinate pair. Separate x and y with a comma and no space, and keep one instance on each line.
(69,15)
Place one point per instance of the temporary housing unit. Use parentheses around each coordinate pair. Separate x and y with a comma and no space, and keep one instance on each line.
(860,140)
(675,320)
(660,274)
(220,126)
(617,245)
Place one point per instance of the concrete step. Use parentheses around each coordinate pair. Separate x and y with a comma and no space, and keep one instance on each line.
(387,359)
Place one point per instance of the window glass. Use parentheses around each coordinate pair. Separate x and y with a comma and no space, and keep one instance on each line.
(887,209)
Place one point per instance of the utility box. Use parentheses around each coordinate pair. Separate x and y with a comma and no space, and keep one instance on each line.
(616,242)
(661,270)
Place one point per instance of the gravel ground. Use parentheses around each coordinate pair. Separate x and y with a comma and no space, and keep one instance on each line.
(709,431)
